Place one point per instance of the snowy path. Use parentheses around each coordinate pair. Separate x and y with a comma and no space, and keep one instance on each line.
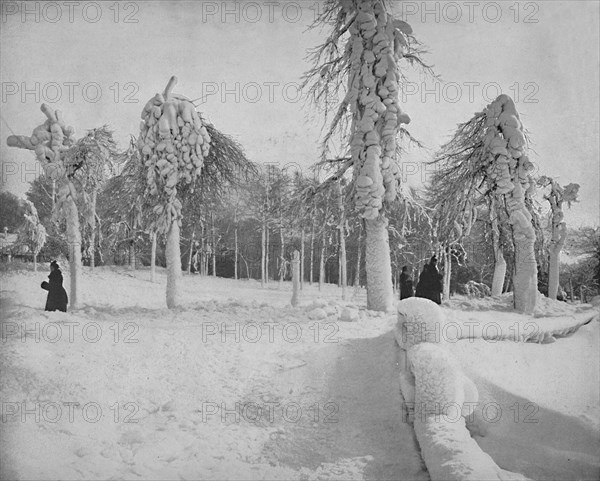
(359,377)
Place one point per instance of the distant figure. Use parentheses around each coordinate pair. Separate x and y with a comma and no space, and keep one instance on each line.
(422,281)
(406,285)
(430,282)
(57,296)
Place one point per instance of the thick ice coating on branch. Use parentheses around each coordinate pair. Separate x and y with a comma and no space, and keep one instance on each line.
(174,143)
(49,141)
(377,41)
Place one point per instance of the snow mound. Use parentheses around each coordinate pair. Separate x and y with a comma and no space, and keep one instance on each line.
(417,318)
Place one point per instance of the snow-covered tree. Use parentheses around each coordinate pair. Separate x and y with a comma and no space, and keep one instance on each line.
(509,171)
(181,152)
(369,117)
(556,195)
(34,231)
(50,141)
(486,159)
(127,208)
(173,143)
(92,156)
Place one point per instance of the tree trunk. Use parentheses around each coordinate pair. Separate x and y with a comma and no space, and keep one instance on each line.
(525,276)
(302,258)
(378,265)
(214,244)
(35,262)
(282,257)
(173,254)
(499,261)
(312,252)
(499,272)
(322,262)
(74,239)
(267,256)
(93,233)
(190,257)
(235,240)
(559,236)
(343,260)
(295,278)
(263,254)
(358,257)
(153,258)
(447,272)
(571,291)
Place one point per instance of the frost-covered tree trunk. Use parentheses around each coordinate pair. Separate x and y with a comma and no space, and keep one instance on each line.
(235,240)
(322,262)
(447,272)
(525,276)
(499,261)
(214,244)
(191,256)
(263,253)
(342,233)
(93,230)
(282,256)
(358,258)
(173,255)
(267,246)
(302,258)
(71,214)
(312,252)
(379,269)
(132,254)
(153,258)
(295,278)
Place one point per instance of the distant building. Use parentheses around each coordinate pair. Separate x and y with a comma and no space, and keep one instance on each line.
(11,248)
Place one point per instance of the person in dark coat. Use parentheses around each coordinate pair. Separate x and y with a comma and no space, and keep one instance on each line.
(435,286)
(421,285)
(57,299)
(430,282)
(406,285)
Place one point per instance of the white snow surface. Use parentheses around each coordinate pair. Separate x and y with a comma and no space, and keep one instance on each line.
(328,390)
(182,379)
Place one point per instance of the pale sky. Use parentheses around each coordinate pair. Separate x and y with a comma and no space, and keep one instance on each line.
(246,60)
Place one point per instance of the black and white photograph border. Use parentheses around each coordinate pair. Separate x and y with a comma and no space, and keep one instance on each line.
(304,240)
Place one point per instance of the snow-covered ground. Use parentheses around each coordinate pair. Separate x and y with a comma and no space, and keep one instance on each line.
(237,384)
(234,385)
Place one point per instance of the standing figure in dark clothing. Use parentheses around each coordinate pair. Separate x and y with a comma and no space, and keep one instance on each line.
(430,282)
(406,285)
(436,282)
(57,296)
(421,285)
